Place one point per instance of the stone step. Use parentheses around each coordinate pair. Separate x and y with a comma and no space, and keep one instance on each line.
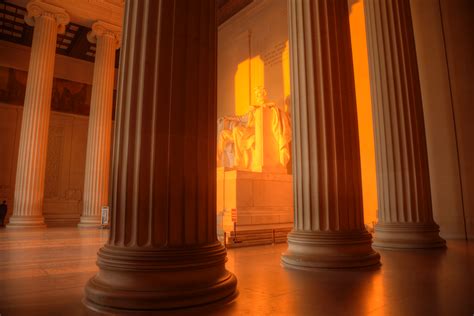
(256,237)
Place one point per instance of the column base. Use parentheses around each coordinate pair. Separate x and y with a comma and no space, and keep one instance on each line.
(150,279)
(329,250)
(89,222)
(408,236)
(26,222)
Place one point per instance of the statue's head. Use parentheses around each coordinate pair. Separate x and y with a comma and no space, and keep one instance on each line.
(260,95)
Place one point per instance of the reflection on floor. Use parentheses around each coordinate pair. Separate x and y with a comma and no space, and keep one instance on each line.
(43,272)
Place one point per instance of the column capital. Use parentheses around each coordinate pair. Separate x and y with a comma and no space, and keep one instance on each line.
(100,28)
(37,9)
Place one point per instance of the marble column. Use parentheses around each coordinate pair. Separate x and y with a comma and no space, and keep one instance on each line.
(96,183)
(403,183)
(329,230)
(163,250)
(47,20)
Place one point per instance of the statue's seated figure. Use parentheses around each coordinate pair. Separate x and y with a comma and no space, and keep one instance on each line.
(237,134)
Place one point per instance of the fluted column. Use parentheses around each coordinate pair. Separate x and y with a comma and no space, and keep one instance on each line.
(403,183)
(163,251)
(96,183)
(329,230)
(47,20)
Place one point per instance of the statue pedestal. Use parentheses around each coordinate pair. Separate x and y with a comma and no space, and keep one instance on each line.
(263,203)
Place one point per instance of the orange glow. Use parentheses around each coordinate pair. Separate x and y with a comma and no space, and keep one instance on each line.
(285,61)
(375,294)
(364,111)
(244,83)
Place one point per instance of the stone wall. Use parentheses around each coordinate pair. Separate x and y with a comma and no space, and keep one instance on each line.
(67,141)
(444,48)
(253,41)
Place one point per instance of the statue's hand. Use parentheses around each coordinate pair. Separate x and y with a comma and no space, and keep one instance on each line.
(231,119)
(269,105)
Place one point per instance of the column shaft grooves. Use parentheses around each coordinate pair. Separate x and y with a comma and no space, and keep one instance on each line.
(168,125)
(163,252)
(328,175)
(329,230)
(403,120)
(96,183)
(401,155)
(31,167)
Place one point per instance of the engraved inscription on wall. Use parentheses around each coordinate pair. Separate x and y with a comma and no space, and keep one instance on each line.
(53,162)
(273,56)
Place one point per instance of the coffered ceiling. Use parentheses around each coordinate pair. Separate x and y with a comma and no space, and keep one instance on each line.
(72,43)
(83,14)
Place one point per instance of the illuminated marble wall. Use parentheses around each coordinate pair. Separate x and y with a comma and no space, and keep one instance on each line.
(364,111)
(253,51)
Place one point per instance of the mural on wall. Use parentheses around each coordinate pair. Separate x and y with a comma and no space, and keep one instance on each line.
(67,96)
(12,86)
(71,97)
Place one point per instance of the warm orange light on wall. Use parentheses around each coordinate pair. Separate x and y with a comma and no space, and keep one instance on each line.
(364,111)
(285,61)
(249,75)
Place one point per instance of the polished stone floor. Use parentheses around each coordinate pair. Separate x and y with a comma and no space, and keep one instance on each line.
(42,272)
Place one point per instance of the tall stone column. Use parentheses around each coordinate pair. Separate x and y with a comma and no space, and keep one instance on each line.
(47,20)
(96,184)
(403,183)
(163,250)
(329,230)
